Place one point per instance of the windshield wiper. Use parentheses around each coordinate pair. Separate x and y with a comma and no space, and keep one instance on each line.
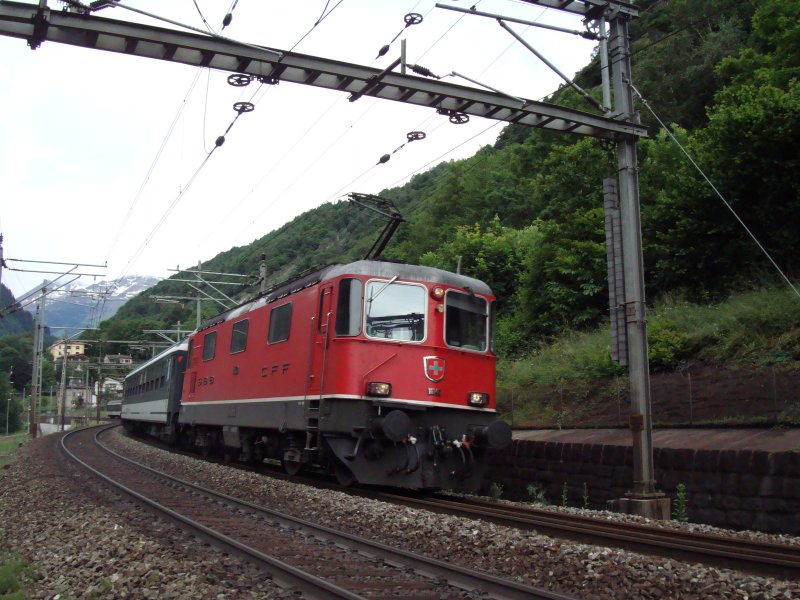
(379,292)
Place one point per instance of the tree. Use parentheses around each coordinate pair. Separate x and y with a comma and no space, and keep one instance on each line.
(10,409)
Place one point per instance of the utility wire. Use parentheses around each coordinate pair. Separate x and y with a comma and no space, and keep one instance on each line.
(716,191)
(166,214)
(153,164)
(200,12)
(371,168)
(449,29)
(322,17)
(286,153)
(454,148)
(220,140)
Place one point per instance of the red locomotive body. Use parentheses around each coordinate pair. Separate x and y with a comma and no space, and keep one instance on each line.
(382,372)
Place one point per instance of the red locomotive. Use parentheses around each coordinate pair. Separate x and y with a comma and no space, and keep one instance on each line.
(382,372)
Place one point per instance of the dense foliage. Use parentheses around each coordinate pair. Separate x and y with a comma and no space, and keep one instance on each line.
(526,214)
(12,321)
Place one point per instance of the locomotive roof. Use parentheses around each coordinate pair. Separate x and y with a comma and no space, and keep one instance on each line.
(375,268)
(182,345)
(405,271)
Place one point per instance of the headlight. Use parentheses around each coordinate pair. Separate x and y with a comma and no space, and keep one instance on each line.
(437,293)
(379,388)
(477,399)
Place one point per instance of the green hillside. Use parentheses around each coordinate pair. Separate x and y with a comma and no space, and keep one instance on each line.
(13,322)
(526,214)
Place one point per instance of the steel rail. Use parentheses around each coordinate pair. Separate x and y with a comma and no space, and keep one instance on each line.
(456,575)
(773,559)
(285,574)
(753,556)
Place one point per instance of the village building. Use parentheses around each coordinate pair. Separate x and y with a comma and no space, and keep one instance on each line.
(72,349)
(117,359)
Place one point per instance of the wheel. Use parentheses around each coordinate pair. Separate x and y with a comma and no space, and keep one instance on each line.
(292,467)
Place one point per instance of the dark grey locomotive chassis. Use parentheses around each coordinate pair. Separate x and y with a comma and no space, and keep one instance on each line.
(421,460)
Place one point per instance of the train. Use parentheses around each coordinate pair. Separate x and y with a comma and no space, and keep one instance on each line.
(114,408)
(378,372)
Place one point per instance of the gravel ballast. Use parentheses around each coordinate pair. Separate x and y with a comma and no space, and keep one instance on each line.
(85,542)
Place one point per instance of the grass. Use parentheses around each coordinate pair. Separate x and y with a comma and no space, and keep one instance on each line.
(13,571)
(754,329)
(9,443)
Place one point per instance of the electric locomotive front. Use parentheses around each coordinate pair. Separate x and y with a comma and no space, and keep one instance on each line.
(406,376)
(381,371)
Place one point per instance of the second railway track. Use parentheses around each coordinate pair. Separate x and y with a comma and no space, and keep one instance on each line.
(316,560)
(777,560)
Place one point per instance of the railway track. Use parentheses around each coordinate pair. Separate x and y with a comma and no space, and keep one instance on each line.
(315,560)
(777,560)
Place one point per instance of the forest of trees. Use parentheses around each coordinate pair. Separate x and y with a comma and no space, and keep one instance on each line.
(526,214)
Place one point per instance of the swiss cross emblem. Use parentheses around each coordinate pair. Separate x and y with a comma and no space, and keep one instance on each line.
(434,368)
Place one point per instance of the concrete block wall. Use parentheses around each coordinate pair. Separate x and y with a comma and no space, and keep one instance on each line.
(738,489)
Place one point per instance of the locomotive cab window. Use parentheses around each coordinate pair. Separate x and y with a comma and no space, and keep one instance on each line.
(466,321)
(239,336)
(209,345)
(280,323)
(395,311)
(348,307)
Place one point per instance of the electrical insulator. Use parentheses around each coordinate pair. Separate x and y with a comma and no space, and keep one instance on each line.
(384,159)
(383,51)
(227,20)
(220,141)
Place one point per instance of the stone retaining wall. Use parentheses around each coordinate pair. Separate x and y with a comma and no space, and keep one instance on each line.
(739,489)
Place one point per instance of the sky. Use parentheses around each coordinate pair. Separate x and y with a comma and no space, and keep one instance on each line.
(101,153)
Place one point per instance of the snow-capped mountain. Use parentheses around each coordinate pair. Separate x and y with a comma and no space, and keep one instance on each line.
(86,305)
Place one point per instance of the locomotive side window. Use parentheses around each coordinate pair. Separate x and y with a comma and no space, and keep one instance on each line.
(395,311)
(324,308)
(466,321)
(348,307)
(209,345)
(189,354)
(239,336)
(492,326)
(280,322)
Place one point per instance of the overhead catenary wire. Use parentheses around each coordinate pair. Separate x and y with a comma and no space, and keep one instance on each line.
(716,191)
(184,190)
(368,173)
(284,155)
(219,141)
(165,215)
(202,17)
(163,145)
(341,136)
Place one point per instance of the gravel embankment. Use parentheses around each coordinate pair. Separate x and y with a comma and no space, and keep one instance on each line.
(83,540)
